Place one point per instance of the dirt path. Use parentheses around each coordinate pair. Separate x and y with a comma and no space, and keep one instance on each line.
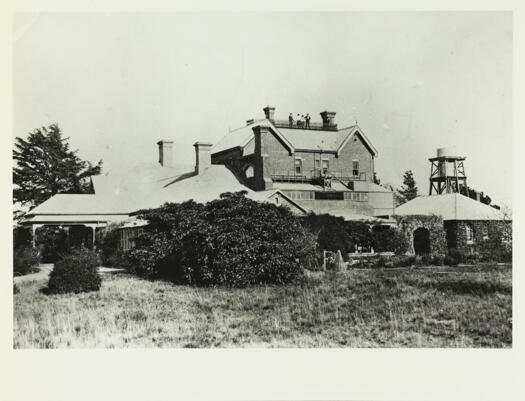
(46,268)
(42,275)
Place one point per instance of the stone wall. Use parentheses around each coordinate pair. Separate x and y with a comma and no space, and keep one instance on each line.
(434,224)
(487,236)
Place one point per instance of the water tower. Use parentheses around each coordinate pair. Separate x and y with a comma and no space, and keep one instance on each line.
(447,172)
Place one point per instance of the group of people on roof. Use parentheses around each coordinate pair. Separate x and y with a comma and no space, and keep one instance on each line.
(303,121)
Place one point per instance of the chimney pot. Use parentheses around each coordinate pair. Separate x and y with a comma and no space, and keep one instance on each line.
(269,112)
(165,153)
(328,118)
(202,156)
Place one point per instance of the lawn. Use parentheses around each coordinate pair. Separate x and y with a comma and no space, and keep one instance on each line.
(464,306)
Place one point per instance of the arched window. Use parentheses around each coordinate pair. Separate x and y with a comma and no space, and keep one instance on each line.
(469,232)
(248,171)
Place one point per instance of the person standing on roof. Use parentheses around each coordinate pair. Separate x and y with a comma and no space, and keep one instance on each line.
(299,121)
(307,120)
(290,120)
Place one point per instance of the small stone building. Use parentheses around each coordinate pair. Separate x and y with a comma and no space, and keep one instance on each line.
(470,226)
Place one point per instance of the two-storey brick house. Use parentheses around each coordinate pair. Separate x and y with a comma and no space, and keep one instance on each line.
(323,168)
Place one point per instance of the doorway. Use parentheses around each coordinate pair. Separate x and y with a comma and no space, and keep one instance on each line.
(422,241)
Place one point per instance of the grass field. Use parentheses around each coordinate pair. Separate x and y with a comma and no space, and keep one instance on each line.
(412,307)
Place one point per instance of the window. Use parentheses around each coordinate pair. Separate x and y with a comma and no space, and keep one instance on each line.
(326,166)
(355,168)
(317,164)
(485,233)
(248,171)
(469,234)
(298,166)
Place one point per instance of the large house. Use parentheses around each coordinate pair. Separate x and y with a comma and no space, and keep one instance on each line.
(317,169)
(323,168)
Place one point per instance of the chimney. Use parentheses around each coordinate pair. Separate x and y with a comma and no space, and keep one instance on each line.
(165,153)
(328,118)
(269,112)
(202,156)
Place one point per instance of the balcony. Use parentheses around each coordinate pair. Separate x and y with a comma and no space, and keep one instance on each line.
(316,176)
(314,126)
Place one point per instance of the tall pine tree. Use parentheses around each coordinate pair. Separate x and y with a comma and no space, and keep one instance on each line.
(45,166)
(408,190)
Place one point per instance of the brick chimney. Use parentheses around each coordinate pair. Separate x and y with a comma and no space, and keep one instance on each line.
(269,112)
(202,156)
(328,118)
(165,153)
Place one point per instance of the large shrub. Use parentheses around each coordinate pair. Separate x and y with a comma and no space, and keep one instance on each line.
(389,239)
(75,272)
(230,241)
(51,242)
(22,237)
(110,254)
(335,234)
(25,261)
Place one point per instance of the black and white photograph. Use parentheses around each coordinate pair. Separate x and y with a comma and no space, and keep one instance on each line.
(262,179)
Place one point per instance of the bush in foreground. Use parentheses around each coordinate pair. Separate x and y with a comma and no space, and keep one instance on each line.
(75,272)
(25,261)
(230,241)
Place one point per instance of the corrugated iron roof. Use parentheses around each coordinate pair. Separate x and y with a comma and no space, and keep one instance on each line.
(450,207)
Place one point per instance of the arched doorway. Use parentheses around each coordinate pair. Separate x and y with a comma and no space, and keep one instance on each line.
(422,241)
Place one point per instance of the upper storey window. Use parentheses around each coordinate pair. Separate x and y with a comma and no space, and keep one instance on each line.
(326,166)
(298,166)
(248,172)
(355,168)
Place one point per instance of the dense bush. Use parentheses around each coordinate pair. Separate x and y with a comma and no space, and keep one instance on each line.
(51,242)
(25,261)
(110,255)
(454,257)
(229,241)
(333,234)
(389,239)
(21,237)
(75,272)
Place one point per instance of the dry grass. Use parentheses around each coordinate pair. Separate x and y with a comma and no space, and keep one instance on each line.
(414,307)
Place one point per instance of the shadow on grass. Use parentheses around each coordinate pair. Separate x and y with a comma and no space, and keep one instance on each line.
(466,287)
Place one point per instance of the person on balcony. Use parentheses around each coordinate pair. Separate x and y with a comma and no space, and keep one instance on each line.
(299,121)
(307,120)
(290,120)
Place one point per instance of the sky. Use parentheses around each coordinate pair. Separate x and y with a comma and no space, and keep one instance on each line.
(414,82)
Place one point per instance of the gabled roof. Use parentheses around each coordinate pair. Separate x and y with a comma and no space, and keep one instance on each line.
(295,139)
(450,207)
(267,196)
(237,138)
